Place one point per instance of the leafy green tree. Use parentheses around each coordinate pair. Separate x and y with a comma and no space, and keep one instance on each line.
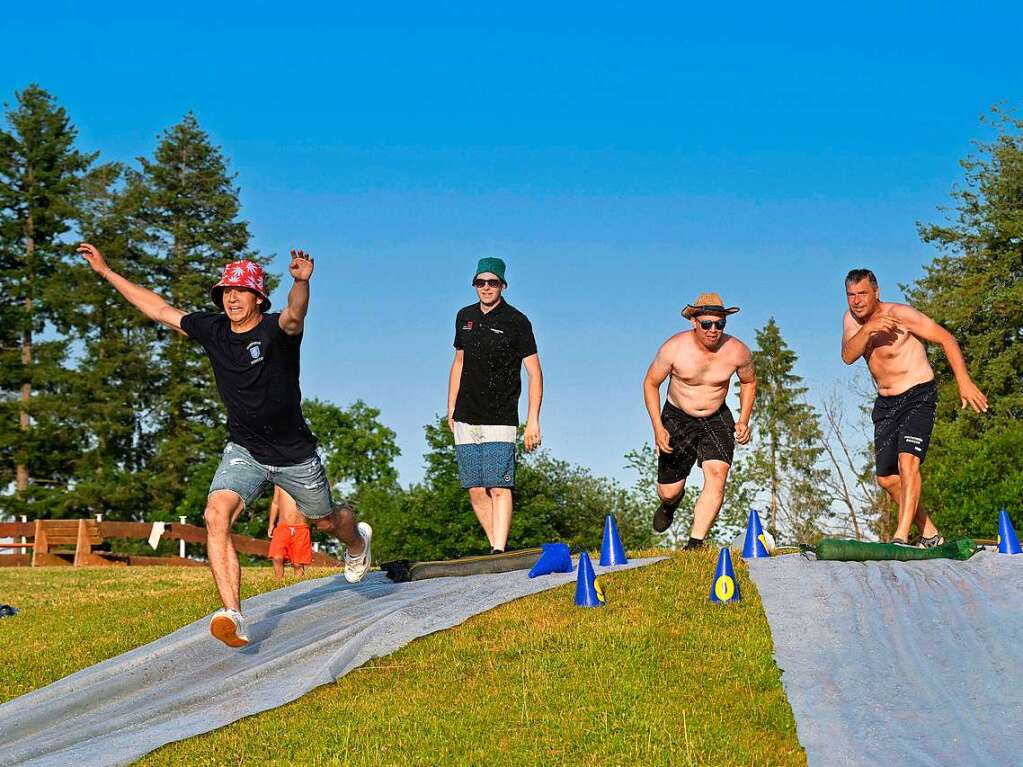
(114,381)
(786,442)
(974,288)
(360,450)
(41,181)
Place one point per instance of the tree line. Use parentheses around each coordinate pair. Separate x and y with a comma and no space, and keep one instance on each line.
(103,412)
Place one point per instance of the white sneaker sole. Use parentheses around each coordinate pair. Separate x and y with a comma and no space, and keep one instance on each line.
(355,573)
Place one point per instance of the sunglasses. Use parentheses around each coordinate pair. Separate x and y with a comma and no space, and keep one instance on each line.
(708,324)
(486,283)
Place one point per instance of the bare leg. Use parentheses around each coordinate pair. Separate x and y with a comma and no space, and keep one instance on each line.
(299,570)
(341,524)
(502,515)
(909,478)
(711,497)
(483,505)
(672,493)
(279,566)
(222,509)
(893,486)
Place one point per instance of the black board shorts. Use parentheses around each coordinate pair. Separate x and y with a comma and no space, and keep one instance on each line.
(903,424)
(694,439)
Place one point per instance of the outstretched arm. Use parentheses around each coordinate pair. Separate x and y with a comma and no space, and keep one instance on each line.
(292,319)
(747,396)
(531,437)
(926,329)
(143,299)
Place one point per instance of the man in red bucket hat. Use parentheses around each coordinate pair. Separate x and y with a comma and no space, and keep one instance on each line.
(255,358)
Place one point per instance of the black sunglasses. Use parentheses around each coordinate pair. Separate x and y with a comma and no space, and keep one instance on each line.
(487,283)
(706,324)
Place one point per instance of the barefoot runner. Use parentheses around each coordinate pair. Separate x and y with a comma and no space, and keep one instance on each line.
(891,337)
(255,358)
(493,341)
(696,425)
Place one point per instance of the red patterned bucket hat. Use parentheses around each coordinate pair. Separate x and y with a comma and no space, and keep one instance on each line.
(241,274)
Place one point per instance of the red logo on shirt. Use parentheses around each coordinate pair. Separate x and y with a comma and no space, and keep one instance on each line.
(468,325)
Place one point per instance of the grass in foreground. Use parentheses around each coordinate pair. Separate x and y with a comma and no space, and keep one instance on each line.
(657,677)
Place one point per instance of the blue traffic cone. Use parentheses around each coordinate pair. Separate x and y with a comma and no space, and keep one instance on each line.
(611,550)
(587,589)
(1008,543)
(725,588)
(755,545)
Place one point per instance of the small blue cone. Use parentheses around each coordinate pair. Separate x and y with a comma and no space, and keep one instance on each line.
(754,547)
(611,550)
(1008,543)
(725,588)
(556,558)
(587,590)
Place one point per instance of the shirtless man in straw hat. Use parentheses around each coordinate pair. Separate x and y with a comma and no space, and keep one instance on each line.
(891,337)
(695,425)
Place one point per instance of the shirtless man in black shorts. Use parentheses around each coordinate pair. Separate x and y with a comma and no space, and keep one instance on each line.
(696,425)
(891,337)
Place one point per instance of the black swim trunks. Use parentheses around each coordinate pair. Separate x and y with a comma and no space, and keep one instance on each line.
(902,424)
(694,439)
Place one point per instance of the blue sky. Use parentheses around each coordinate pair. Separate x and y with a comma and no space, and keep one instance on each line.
(620,157)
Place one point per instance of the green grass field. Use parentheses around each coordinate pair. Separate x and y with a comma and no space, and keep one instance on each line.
(657,677)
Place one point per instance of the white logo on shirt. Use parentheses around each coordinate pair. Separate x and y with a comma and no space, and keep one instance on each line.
(495,330)
(255,352)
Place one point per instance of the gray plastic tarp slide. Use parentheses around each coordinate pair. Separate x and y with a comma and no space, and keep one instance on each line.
(187,683)
(900,663)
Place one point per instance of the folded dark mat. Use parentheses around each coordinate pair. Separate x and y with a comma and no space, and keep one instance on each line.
(836,549)
(403,570)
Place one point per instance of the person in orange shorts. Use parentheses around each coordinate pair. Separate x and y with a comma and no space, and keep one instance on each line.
(289,535)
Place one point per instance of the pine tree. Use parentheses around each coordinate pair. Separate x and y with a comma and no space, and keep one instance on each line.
(115,380)
(41,185)
(786,434)
(974,288)
(187,214)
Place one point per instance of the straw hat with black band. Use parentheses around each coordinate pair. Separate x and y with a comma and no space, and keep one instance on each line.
(708,303)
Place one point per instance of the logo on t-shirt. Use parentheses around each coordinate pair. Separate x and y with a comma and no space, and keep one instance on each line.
(255,352)
(467,325)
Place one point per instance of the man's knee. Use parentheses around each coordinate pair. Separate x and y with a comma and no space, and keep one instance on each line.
(715,474)
(889,482)
(671,493)
(478,493)
(341,515)
(500,492)
(909,464)
(220,511)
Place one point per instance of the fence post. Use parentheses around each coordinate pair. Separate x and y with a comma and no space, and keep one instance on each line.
(181,544)
(24,540)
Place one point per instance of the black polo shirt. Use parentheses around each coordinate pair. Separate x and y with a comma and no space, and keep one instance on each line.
(257,376)
(493,345)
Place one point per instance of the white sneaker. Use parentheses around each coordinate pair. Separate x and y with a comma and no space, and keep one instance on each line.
(357,567)
(229,627)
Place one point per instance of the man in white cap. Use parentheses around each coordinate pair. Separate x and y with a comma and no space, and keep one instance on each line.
(695,425)
(255,358)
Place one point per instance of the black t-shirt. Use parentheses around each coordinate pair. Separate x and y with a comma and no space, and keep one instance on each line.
(257,375)
(494,345)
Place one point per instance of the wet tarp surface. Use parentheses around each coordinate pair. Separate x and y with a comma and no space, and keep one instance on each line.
(900,663)
(188,683)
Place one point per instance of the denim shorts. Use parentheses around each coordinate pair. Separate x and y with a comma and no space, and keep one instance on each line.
(306,482)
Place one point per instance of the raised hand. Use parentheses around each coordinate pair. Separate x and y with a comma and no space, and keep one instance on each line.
(885,323)
(970,395)
(301,266)
(95,258)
